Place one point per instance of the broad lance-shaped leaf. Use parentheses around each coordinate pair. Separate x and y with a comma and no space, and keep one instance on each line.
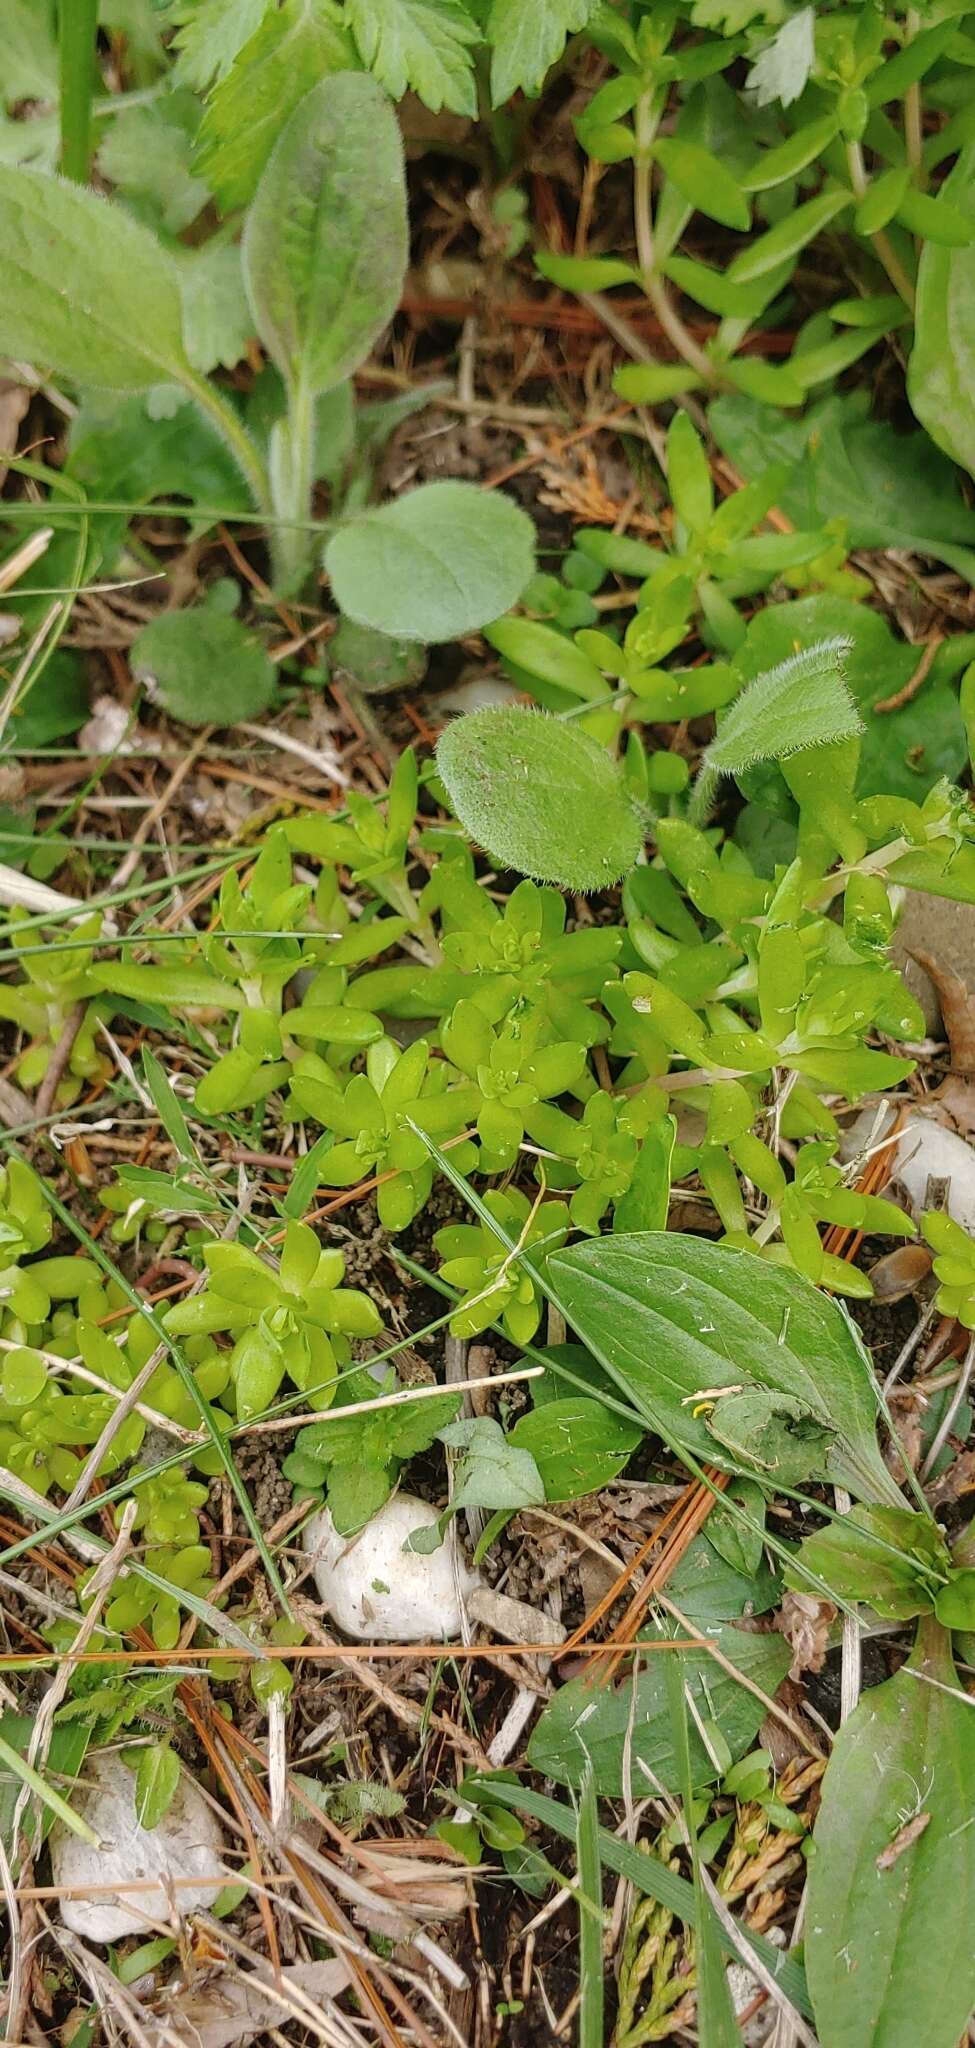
(87,291)
(325,242)
(583,1725)
(744,1364)
(802,703)
(891,1891)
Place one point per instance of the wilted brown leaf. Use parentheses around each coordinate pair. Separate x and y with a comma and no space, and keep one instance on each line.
(805,1623)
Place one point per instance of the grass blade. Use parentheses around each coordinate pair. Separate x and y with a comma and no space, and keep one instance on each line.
(591,2001)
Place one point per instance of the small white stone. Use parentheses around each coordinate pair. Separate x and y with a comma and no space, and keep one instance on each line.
(186,1842)
(377,1591)
(928,1150)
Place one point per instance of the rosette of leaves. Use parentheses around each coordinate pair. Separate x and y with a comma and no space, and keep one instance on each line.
(372,842)
(372,1116)
(187,1568)
(57,977)
(273,928)
(293,1321)
(515,1067)
(499,955)
(357,1458)
(597,1153)
(495,1286)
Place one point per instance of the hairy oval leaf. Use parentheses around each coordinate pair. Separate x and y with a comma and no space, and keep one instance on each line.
(87,291)
(739,1362)
(325,244)
(437,562)
(540,796)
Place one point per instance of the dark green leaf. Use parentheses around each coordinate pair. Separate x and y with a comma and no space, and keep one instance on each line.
(889,1557)
(207,668)
(675,1320)
(893,489)
(941,384)
(583,1724)
(577,1444)
(891,1888)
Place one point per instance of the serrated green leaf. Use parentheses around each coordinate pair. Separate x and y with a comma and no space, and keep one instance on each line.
(437,562)
(325,242)
(424,46)
(540,796)
(527,40)
(210,35)
(294,46)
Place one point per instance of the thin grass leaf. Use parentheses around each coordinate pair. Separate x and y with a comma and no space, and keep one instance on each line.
(46,1793)
(591,2005)
(716,2022)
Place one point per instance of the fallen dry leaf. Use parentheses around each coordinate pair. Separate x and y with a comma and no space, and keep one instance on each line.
(905,1838)
(805,1623)
(229,2009)
(955,999)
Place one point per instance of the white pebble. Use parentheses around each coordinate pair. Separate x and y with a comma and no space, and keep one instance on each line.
(186,1842)
(380,1593)
(928,1150)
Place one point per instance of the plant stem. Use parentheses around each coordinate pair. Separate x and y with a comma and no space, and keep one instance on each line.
(913,136)
(77,30)
(647,115)
(885,251)
(224,418)
(292,462)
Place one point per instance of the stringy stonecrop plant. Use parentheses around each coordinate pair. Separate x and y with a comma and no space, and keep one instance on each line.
(827,138)
(751,1003)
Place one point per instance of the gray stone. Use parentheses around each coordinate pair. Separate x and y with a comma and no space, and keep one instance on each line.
(930,924)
